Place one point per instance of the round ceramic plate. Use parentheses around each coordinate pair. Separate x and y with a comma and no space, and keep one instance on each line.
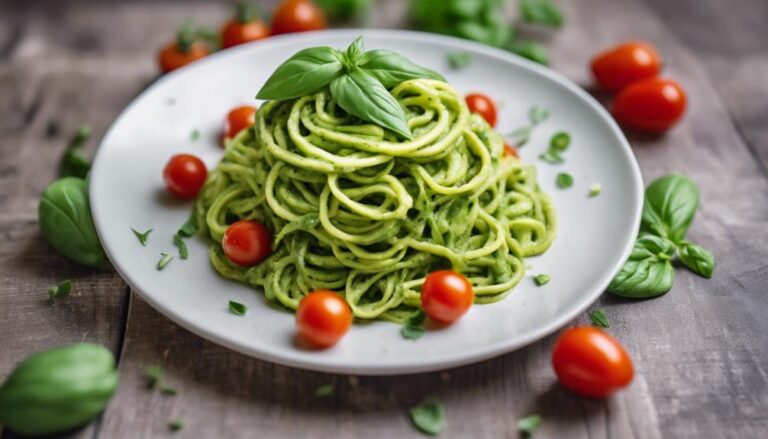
(594,236)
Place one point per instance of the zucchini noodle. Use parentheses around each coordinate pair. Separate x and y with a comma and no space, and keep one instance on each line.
(354,209)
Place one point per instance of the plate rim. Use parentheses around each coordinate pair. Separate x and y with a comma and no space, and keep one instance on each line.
(484,352)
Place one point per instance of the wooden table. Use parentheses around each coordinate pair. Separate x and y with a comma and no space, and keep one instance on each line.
(700,352)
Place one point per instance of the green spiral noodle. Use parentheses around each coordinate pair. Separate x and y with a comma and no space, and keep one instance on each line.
(356,210)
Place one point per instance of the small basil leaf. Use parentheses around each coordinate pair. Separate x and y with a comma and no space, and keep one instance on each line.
(564,180)
(73,163)
(538,115)
(648,272)
(362,95)
(354,53)
(429,417)
(698,259)
(324,390)
(61,290)
(459,60)
(65,221)
(541,12)
(530,50)
(413,328)
(669,206)
(237,308)
(488,33)
(306,72)
(599,318)
(528,425)
(391,68)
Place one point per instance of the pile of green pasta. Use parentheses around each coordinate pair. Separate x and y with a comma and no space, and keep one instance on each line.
(354,209)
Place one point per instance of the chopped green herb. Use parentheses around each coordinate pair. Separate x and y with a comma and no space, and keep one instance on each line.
(537,115)
(168,391)
(530,50)
(560,141)
(142,237)
(324,390)
(544,12)
(599,318)
(564,180)
(429,417)
(413,328)
(237,308)
(195,136)
(181,245)
(528,425)
(520,136)
(176,425)
(541,279)
(459,60)
(595,190)
(73,163)
(189,229)
(551,157)
(60,290)
(164,260)
(154,375)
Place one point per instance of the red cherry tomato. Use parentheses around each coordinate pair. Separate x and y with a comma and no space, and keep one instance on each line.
(590,362)
(172,56)
(184,175)
(236,32)
(510,151)
(323,317)
(653,105)
(446,296)
(297,16)
(624,64)
(482,104)
(247,243)
(239,119)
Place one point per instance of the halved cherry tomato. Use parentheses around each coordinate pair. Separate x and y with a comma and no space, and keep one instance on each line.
(174,56)
(239,119)
(247,243)
(510,151)
(323,317)
(590,362)
(653,105)
(446,295)
(624,64)
(246,26)
(482,104)
(184,175)
(297,16)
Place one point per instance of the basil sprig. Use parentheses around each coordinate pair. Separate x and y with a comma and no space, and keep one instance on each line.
(670,204)
(358,81)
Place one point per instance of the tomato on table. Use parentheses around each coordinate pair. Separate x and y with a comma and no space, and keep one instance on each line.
(446,296)
(297,16)
(653,105)
(323,317)
(590,362)
(184,175)
(244,27)
(239,119)
(625,64)
(247,243)
(483,105)
(510,151)
(184,50)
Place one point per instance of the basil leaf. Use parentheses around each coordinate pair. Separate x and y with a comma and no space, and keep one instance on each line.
(698,259)
(73,163)
(541,12)
(354,53)
(176,425)
(306,72)
(538,115)
(669,206)
(65,221)
(559,142)
(429,417)
(391,68)
(154,375)
(195,136)
(564,180)
(528,425)
(344,10)
(459,60)
(599,318)
(492,34)
(165,259)
(552,157)
(413,328)
(520,136)
(237,308)
(142,237)
(167,391)
(61,290)
(595,189)
(188,229)
(541,279)
(178,241)
(648,272)
(362,95)
(324,390)
(530,50)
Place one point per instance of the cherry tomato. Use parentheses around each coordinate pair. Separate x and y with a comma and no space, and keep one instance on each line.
(590,362)
(172,56)
(247,242)
(446,296)
(482,104)
(510,151)
(652,105)
(323,317)
(297,16)
(624,64)
(245,26)
(239,119)
(184,175)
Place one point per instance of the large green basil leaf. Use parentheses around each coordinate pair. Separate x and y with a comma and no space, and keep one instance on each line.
(391,68)
(65,221)
(362,95)
(306,72)
(669,206)
(648,272)
(698,259)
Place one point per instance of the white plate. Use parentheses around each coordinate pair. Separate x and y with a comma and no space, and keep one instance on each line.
(594,236)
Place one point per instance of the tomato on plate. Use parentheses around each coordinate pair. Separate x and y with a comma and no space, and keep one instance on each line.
(323,317)
(239,119)
(510,151)
(625,64)
(446,296)
(590,362)
(184,175)
(653,105)
(247,243)
(483,105)
(297,16)
(186,49)
(244,27)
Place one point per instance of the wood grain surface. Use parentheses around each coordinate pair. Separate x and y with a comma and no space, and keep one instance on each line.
(700,351)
